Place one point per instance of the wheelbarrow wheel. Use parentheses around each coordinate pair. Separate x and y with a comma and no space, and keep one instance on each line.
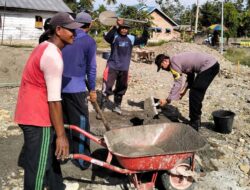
(177,182)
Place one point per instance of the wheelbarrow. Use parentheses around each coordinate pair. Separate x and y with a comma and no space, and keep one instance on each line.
(156,149)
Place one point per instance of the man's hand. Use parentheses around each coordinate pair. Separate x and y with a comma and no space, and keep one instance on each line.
(62,144)
(92,96)
(163,102)
(62,147)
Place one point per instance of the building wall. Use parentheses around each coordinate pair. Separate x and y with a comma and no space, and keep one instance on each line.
(161,22)
(20,25)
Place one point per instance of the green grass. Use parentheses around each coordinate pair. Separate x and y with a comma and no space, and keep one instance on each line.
(239,54)
(18,45)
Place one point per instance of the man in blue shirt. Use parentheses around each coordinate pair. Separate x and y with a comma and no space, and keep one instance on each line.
(79,66)
(119,61)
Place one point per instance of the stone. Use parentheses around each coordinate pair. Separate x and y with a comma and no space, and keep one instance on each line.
(71,186)
(245,168)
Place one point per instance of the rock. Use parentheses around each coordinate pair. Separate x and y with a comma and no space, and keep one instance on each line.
(245,168)
(71,186)
(13,174)
(244,182)
(241,140)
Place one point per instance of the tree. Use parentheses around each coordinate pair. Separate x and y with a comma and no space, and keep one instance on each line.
(83,5)
(231,18)
(186,17)
(71,4)
(239,4)
(132,12)
(210,13)
(97,26)
(172,8)
(244,24)
(111,2)
(248,4)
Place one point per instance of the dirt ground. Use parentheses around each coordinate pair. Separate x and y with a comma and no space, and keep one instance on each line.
(225,160)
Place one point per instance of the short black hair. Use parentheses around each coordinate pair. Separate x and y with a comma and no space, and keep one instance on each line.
(158,60)
(85,25)
(46,25)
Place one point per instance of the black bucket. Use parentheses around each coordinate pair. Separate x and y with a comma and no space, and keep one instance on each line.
(223,121)
(105,55)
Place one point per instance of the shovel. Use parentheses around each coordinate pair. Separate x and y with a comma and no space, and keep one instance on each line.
(109,18)
(99,111)
(150,107)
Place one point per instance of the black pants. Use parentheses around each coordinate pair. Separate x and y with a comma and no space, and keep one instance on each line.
(110,77)
(41,168)
(198,90)
(75,112)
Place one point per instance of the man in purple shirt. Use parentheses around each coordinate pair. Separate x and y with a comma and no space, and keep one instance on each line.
(200,69)
(79,66)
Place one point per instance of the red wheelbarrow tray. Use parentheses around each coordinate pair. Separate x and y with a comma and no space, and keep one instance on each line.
(153,147)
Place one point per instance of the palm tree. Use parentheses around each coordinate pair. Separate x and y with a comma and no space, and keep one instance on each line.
(111,2)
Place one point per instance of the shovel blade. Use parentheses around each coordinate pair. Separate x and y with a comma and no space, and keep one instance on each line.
(150,107)
(108,18)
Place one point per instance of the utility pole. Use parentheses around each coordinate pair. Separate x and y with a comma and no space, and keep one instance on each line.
(196,18)
(222,26)
(3,22)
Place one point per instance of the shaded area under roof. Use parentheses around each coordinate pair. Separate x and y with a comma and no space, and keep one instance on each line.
(41,5)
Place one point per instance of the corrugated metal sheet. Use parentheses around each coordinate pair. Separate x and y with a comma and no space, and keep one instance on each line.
(44,5)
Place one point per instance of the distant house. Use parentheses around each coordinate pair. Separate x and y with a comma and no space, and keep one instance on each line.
(163,25)
(23,19)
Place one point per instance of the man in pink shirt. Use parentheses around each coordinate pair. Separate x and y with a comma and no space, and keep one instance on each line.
(200,68)
(39,110)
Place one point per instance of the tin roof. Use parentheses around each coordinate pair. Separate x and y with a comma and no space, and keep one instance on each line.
(44,5)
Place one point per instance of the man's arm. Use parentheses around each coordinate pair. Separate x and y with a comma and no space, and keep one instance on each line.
(143,39)
(52,67)
(56,116)
(109,37)
(91,71)
(175,90)
(91,65)
(174,93)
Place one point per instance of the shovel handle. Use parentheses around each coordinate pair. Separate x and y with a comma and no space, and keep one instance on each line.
(137,21)
(99,111)
(156,104)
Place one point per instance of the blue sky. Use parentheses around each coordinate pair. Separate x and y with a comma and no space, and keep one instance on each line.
(148,2)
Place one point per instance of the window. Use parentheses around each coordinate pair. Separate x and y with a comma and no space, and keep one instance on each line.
(168,30)
(155,29)
(39,22)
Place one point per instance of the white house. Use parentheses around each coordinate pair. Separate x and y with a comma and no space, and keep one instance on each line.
(23,19)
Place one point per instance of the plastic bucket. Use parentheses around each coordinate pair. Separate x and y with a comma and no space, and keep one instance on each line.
(223,121)
(105,55)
